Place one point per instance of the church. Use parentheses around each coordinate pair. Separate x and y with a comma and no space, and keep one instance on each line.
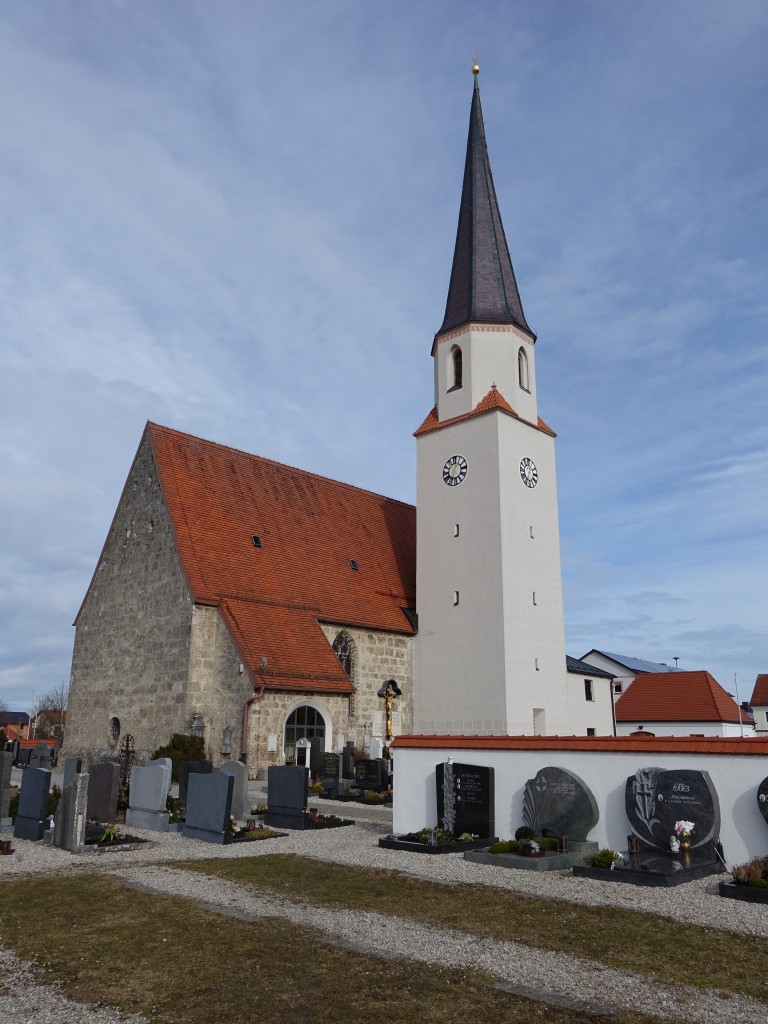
(256,604)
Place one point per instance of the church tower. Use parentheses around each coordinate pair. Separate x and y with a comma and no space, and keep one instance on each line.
(490,651)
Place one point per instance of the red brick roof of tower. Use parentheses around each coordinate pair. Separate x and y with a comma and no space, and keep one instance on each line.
(760,692)
(677,697)
(493,400)
(310,527)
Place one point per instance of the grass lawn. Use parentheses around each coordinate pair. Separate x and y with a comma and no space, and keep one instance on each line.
(616,937)
(166,958)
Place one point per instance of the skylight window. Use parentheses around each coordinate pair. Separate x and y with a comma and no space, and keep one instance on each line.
(256,540)
(354,565)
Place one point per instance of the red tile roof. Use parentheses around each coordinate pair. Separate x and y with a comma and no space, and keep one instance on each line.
(677,697)
(751,745)
(760,692)
(310,527)
(494,400)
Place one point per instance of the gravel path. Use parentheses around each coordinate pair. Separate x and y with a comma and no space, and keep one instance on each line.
(518,968)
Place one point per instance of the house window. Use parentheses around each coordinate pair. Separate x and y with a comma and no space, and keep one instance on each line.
(590,732)
(303,723)
(522,369)
(344,649)
(588,690)
(618,687)
(456,369)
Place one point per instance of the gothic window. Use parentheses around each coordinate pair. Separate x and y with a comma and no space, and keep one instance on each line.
(344,649)
(456,369)
(303,723)
(522,369)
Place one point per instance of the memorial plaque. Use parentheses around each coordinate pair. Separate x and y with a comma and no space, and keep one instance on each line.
(465,799)
(762,798)
(557,803)
(655,798)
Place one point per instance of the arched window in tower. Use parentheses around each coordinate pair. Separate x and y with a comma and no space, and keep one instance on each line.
(456,369)
(344,649)
(522,369)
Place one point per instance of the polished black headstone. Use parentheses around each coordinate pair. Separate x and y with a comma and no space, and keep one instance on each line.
(33,804)
(348,761)
(557,803)
(188,768)
(655,798)
(465,798)
(286,796)
(103,791)
(372,774)
(762,798)
(209,806)
(316,751)
(330,772)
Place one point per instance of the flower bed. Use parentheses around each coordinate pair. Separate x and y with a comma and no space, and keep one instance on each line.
(435,841)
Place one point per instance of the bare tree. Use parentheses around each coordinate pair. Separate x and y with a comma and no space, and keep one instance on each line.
(49,710)
(3,705)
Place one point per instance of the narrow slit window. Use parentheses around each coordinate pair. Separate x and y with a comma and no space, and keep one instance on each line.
(457,375)
(455,529)
(522,369)
(455,597)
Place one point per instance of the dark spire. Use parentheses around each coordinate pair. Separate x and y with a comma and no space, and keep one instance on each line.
(483,286)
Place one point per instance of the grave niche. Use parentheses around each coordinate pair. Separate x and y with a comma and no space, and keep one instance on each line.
(557,803)
(465,799)
(655,798)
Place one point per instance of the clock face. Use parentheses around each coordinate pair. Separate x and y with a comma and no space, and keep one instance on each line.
(528,472)
(455,470)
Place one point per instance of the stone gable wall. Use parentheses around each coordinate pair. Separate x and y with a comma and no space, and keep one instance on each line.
(132,642)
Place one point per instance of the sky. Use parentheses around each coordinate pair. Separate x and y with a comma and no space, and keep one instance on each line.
(237,219)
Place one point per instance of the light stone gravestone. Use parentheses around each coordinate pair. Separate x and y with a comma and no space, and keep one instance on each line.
(41,756)
(148,793)
(209,806)
(655,798)
(72,767)
(103,791)
(69,822)
(239,772)
(33,804)
(557,803)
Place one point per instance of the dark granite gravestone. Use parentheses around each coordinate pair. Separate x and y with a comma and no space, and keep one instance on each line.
(330,771)
(188,768)
(557,803)
(69,823)
(655,798)
(762,798)
(209,806)
(103,791)
(23,756)
(286,797)
(316,751)
(465,798)
(33,804)
(348,761)
(72,767)
(372,774)
(6,763)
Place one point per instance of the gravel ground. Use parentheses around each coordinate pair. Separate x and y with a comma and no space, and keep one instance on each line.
(521,968)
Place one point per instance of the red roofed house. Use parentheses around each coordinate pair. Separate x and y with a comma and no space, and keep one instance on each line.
(680,704)
(759,704)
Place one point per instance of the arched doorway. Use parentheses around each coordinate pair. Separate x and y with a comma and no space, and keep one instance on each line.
(303,722)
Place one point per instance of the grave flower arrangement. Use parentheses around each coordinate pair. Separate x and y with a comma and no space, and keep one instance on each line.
(684,830)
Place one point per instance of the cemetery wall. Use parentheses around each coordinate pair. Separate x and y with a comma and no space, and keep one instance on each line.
(132,642)
(736,767)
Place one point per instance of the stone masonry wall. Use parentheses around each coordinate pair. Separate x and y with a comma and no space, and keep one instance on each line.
(132,642)
(377,656)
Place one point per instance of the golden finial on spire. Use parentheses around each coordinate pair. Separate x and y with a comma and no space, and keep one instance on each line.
(475,66)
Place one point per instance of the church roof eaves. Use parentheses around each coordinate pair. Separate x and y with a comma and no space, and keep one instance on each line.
(492,402)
